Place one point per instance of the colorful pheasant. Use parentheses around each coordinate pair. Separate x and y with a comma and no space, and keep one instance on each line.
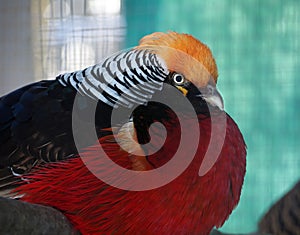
(36,141)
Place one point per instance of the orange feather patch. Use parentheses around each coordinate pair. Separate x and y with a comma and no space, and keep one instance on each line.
(184,54)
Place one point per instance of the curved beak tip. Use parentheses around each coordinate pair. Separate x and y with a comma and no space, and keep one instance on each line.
(215,100)
(218,102)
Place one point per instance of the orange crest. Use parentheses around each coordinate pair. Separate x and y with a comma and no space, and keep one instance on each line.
(184,54)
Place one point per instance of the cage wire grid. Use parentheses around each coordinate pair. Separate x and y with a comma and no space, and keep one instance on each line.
(75,34)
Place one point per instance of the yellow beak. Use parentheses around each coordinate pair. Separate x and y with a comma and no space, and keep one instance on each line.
(183,90)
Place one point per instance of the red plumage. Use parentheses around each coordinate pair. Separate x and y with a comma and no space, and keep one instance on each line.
(190,204)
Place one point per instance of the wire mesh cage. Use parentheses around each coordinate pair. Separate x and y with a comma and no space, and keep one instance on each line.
(74,34)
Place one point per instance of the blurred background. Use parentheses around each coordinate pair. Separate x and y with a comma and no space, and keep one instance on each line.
(256,45)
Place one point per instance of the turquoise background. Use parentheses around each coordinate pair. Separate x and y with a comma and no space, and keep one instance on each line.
(257,49)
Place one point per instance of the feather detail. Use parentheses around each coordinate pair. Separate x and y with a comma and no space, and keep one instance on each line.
(8,182)
(188,205)
(127,139)
(126,78)
(184,54)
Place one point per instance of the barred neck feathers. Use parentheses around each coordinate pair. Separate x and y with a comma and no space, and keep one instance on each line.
(124,79)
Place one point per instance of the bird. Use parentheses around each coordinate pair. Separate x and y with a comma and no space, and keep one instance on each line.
(40,162)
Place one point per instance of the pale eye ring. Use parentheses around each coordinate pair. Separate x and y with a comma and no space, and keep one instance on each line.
(178,79)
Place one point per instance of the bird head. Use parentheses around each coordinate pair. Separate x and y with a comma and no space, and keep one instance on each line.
(191,65)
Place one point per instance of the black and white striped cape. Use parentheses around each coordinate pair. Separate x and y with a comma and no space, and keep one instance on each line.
(123,79)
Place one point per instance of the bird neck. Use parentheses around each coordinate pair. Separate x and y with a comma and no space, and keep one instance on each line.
(124,79)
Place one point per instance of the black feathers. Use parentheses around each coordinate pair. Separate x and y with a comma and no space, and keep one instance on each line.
(36,121)
(36,124)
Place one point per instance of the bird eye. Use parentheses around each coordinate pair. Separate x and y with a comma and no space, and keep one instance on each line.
(178,79)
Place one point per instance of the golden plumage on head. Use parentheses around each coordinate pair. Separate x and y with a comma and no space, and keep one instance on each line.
(183,54)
